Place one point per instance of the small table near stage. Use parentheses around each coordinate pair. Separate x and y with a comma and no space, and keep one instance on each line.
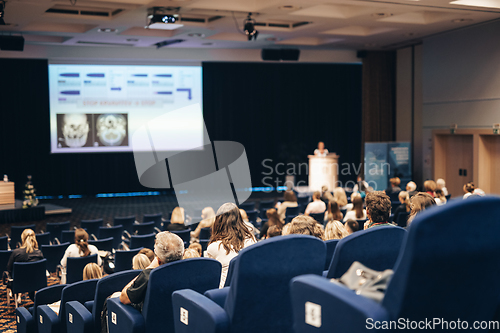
(7,199)
(323,170)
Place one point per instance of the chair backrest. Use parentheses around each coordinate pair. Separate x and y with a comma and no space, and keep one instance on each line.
(92,226)
(29,276)
(4,242)
(104,244)
(319,217)
(74,267)
(53,254)
(402,219)
(114,232)
(185,235)
(125,221)
(43,239)
(4,259)
(292,211)
(303,200)
(254,278)
(144,228)
(204,244)
(15,233)
(81,291)
(246,206)
(230,271)
(45,296)
(205,233)
(377,248)
(198,274)
(156,218)
(454,260)
(123,259)
(266,204)
(105,287)
(330,249)
(252,216)
(147,241)
(56,229)
(67,236)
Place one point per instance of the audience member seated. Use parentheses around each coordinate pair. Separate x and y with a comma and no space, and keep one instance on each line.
(92,271)
(411,188)
(197,247)
(430,187)
(28,252)
(340,197)
(326,195)
(405,206)
(168,248)
(317,206)
(177,220)
(229,236)
(420,202)
(190,253)
(140,261)
(357,212)
(333,213)
(304,225)
(321,150)
(208,218)
(149,253)
(361,186)
(274,231)
(468,190)
(81,248)
(290,200)
(335,230)
(441,185)
(272,220)
(440,197)
(351,226)
(395,182)
(378,209)
(246,220)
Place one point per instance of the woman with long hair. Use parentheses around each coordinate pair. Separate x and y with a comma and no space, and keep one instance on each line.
(289,200)
(404,207)
(177,220)
(340,197)
(81,248)
(273,219)
(440,197)
(335,230)
(208,218)
(229,236)
(333,213)
(430,187)
(420,202)
(357,212)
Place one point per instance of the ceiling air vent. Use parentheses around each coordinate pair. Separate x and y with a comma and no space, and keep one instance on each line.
(199,19)
(84,11)
(281,25)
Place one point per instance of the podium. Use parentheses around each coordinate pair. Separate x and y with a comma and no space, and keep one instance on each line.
(323,170)
(7,199)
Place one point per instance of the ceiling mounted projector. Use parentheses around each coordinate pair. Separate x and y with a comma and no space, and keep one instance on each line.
(249,28)
(164,21)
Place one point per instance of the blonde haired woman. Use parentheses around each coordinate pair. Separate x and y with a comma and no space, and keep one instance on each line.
(208,218)
(340,197)
(140,261)
(335,230)
(92,271)
(177,220)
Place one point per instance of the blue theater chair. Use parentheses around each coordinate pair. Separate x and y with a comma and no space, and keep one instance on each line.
(144,228)
(74,267)
(114,232)
(103,244)
(126,222)
(446,270)
(4,241)
(15,234)
(50,322)
(330,249)
(377,248)
(199,274)
(258,299)
(147,241)
(56,229)
(123,259)
(26,318)
(85,321)
(27,277)
(319,217)
(53,254)
(92,226)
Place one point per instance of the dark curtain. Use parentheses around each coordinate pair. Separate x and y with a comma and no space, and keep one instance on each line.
(277,111)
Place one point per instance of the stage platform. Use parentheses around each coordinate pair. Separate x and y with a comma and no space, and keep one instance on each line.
(16,213)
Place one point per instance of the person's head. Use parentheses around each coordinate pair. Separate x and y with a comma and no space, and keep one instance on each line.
(439,194)
(304,225)
(335,230)
(404,198)
(244,215)
(357,206)
(316,196)
(140,261)
(92,271)
(321,145)
(168,247)
(177,215)
(229,228)
(378,206)
(148,252)
(334,213)
(190,253)
(290,196)
(420,202)
(274,231)
(430,185)
(82,241)
(440,183)
(411,186)
(395,181)
(324,189)
(197,247)
(28,240)
(273,218)
(351,226)
(469,188)
(340,196)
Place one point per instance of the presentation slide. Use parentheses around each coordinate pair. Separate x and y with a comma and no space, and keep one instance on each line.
(97,108)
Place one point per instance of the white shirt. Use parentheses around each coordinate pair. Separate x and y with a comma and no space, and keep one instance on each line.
(218,252)
(351,215)
(73,251)
(318,153)
(315,207)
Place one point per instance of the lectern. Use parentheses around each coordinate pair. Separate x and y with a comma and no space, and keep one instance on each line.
(323,170)
(7,199)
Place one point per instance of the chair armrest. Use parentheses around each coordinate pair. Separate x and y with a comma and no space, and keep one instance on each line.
(48,320)
(322,306)
(78,318)
(124,318)
(25,321)
(218,295)
(89,305)
(195,313)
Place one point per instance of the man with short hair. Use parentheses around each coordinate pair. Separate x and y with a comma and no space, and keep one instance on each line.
(316,206)
(351,226)
(304,225)
(168,248)
(378,209)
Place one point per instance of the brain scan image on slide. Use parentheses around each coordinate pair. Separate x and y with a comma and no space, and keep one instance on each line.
(73,130)
(112,129)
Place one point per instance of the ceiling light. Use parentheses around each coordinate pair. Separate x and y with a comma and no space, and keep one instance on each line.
(196,35)
(461,20)
(477,3)
(381,15)
(289,7)
(249,27)
(132,40)
(163,21)
(207,44)
(106,30)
